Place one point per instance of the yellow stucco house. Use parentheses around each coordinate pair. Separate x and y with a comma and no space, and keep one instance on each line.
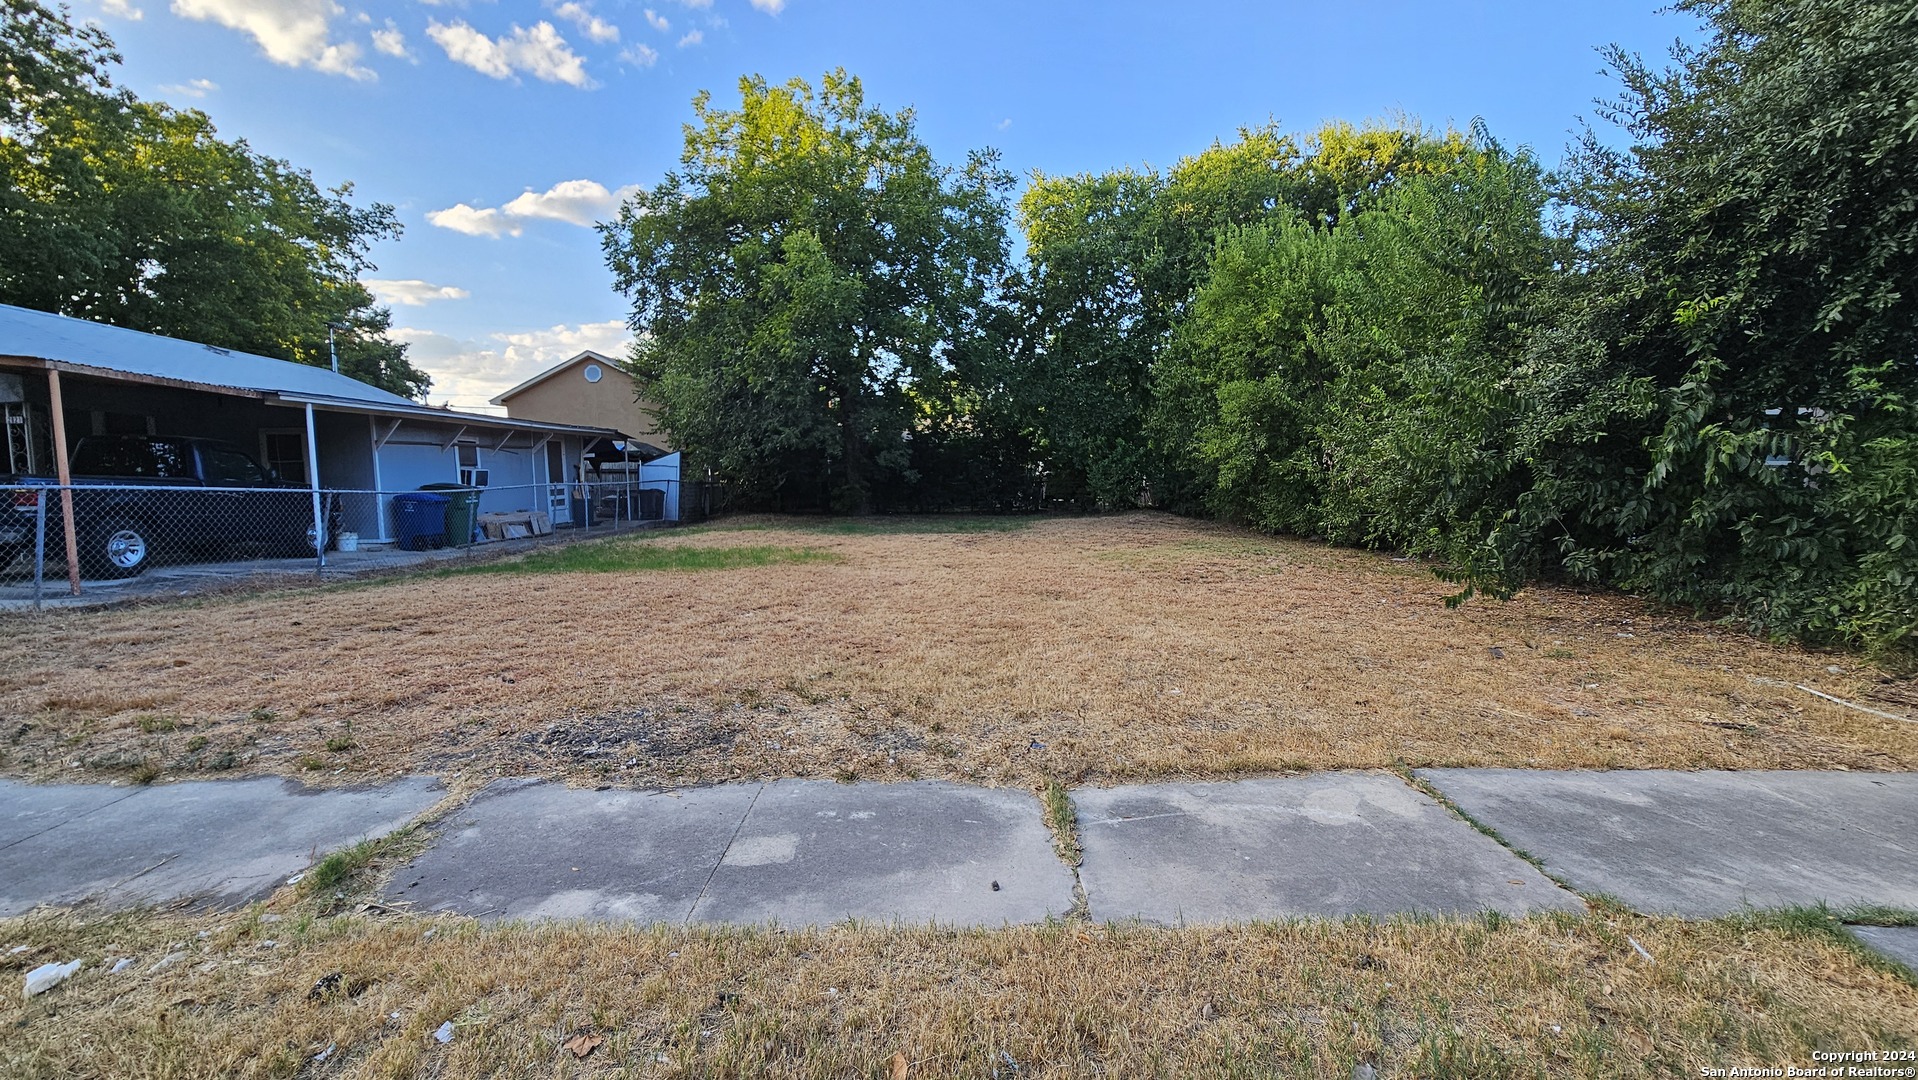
(590,389)
(641,457)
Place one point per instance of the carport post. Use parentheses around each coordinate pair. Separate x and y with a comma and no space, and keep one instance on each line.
(313,480)
(64,471)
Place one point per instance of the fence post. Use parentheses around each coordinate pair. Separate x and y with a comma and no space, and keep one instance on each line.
(39,547)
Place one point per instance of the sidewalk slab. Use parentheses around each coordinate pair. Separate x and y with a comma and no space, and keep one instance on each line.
(535,850)
(1703,844)
(1898,943)
(1331,844)
(793,852)
(813,852)
(216,844)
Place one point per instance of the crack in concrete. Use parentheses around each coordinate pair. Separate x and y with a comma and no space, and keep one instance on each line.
(721,861)
(71,820)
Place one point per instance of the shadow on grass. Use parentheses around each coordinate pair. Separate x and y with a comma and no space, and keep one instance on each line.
(612,556)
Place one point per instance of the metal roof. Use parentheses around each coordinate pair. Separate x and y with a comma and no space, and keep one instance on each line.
(44,336)
(428,414)
(113,350)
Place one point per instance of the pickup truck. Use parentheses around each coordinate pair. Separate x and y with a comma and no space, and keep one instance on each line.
(138,500)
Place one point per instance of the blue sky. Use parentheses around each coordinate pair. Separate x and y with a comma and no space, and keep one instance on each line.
(500,129)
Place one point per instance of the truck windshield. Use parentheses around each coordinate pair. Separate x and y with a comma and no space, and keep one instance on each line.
(159,459)
(230,468)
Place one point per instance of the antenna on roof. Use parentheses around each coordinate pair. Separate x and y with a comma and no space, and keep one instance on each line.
(330,350)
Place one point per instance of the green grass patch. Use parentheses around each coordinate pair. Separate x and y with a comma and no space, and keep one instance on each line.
(1063,820)
(351,869)
(881,525)
(616,556)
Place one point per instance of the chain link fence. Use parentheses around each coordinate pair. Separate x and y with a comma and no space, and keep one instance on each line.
(125,534)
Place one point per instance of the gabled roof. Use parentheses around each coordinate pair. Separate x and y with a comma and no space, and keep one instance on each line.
(110,352)
(40,335)
(589,354)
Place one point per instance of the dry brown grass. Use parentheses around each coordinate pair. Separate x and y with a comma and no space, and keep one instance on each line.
(1551,996)
(1081,649)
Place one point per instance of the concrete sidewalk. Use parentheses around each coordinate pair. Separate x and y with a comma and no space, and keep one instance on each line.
(213,844)
(797,852)
(1701,844)
(793,852)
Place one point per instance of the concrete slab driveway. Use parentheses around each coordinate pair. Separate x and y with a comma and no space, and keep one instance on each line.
(218,843)
(793,852)
(1331,844)
(1707,843)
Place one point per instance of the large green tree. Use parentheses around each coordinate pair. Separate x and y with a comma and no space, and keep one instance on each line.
(803,286)
(138,214)
(1724,412)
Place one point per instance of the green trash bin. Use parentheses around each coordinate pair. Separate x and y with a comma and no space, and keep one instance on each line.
(462,512)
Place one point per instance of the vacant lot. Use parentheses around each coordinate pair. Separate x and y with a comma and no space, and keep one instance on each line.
(1086,649)
(281,993)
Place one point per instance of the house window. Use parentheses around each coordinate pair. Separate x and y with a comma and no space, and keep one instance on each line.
(284,452)
(471,475)
(119,423)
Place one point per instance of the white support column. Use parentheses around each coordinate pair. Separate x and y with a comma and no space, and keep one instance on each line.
(313,478)
(379,485)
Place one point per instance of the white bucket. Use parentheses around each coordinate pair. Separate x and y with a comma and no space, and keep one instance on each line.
(349,541)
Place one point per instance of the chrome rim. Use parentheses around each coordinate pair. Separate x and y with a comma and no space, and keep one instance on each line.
(126,549)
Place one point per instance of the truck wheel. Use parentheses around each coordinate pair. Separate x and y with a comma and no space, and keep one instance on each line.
(116,548)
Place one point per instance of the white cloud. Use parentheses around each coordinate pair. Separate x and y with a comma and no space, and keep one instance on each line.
(1004,124)
(472,221)
(657,21)
(692,38)
(595,27)
(770,7)
(122,9)
(540,52)
(412,292)
(198,88)
(469,373)
(290,32)
(576,202)
(696,5)
(639,56)
(579,202)
(391,41)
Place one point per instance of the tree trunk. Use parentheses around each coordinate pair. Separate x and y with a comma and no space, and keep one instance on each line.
(856,498)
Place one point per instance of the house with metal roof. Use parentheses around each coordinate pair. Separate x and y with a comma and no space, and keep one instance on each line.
(308,425)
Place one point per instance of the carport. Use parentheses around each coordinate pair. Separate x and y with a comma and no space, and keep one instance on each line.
(352,445)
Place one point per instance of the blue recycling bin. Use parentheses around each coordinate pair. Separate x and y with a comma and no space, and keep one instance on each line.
(419,520)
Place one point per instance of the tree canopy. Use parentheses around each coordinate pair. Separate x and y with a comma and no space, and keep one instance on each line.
(804,285)
(138,214)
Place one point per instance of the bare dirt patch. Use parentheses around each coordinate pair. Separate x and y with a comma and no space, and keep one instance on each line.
(1088,649)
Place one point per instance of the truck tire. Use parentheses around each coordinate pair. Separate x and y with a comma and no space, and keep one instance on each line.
(118,547)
